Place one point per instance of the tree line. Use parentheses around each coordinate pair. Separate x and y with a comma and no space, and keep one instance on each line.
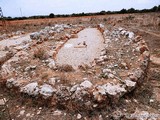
(123,11)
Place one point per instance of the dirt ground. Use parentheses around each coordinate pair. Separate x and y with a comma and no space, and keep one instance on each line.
(146,97)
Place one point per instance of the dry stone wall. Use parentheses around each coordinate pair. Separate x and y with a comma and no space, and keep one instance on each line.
(123,77)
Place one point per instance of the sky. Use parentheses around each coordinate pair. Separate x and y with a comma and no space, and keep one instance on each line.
(18,8)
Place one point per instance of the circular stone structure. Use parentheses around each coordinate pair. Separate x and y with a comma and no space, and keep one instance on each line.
(120,62)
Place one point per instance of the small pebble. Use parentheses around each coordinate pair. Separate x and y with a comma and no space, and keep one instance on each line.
(79,116)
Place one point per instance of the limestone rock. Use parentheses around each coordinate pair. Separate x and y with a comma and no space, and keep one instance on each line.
(46,90)
(22,112)
(3,101)
(74,88)
(130,35)
(113,89)
(12,83)
(52,81)
(79,116)
(136,75)
(35,36)
(6,70)
(86,84)
(51,63)
(30,68)
(31,89)
(130,84)
(123,32)
(143,115)
(57,113)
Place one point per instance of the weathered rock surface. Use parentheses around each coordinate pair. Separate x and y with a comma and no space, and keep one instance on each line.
(46,90)
(86,84)
(31,89)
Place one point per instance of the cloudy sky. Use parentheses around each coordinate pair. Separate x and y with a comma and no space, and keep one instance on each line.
(16,8)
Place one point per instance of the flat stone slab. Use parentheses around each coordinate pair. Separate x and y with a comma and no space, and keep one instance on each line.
(15,40)
(81,50)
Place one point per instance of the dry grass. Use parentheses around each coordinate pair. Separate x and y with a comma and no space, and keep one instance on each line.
(65,68)
(40,53)
(64,79)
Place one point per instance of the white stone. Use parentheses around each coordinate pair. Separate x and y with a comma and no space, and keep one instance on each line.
(95,105)
(113,89)
(130,83)
(31,89)
(57,113)
(12,83)
(35,35)
(46,90)
(141,115)
(79,116)
(120,28)
(86,84)
(52,81)
(106,71)
(74,88)
(110,75)
(123,32)
(130,35)
(21,47)
(106,31)
(151,100)
(100,117)
(3,101)
(28,115)
(101,90)
(138,73)
(52,63)
(101,25)
(103,53)
(39,111)
(22,112)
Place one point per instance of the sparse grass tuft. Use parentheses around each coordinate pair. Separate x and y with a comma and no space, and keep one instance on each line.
(45,76)
(65,68)
(63,79)
(40,53)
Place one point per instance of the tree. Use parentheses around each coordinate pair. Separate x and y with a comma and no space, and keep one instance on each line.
(123,11)
(131,10)
(51,15)
(158,8)
(102,12)
(154,9)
